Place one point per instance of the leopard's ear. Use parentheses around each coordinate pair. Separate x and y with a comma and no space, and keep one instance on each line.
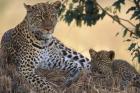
(92,52)
(28,7)
(57,4)
(111,54)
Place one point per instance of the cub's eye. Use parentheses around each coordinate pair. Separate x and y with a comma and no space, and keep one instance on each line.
(45,16)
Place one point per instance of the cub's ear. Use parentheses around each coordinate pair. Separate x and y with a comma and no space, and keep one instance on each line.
(28,7)
(57,4)
(92,52)
(111,54)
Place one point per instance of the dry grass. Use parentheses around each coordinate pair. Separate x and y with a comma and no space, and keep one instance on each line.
(11,82)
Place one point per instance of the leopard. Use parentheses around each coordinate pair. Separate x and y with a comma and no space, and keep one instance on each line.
(31,45)
(115,68)
(101,62)
(128,75)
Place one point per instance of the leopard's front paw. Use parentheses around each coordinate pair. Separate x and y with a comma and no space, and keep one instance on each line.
(69,81)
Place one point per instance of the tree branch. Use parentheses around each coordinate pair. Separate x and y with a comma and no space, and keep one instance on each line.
(127,21)
(115,19)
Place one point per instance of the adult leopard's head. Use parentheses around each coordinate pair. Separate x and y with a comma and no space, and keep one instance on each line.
(42,18)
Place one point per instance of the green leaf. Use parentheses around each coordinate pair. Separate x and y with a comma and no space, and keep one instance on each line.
(125,32)
(138,58)
(132,46)
(118,3)
(62,10)
(69,16)
(102,15)
(135,14)
(108,9)
(137,30)
(131,34)
(128,40)
(122,1)
(130,9)
(135,56)
(117,6)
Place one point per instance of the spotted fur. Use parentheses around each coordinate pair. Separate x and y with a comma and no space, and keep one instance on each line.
(101,61)
(127,74)
(30,45)
(104,63)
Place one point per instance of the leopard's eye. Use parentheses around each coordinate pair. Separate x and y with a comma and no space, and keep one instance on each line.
(46,16)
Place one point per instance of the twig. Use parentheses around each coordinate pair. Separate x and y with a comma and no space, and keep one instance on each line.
(127,21)
(115,19)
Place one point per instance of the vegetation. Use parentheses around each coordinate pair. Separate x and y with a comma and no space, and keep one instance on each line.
(89,12)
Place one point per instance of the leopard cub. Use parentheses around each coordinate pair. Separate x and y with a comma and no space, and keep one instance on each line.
(104,63)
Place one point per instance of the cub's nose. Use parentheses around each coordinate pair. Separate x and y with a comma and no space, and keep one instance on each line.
(50,30)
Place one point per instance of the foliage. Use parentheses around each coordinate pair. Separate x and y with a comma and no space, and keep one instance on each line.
(89,12)
(85,11)
(133,35)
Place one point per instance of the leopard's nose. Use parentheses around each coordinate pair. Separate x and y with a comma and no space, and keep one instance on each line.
(50,31)
(48,28)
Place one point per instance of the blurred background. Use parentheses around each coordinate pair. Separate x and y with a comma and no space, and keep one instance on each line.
(99,37)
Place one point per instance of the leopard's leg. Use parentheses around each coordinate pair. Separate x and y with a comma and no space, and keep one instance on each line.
(72,69)
(72,77)
(38,83)
(124,85)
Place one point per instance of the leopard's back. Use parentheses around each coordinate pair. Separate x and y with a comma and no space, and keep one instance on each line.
(126,74)
(121,72)
(123,68)
(7,38)
(7,44)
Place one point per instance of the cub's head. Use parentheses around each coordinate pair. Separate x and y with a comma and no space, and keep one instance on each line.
(42,18)
(100,59)
(102,55)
